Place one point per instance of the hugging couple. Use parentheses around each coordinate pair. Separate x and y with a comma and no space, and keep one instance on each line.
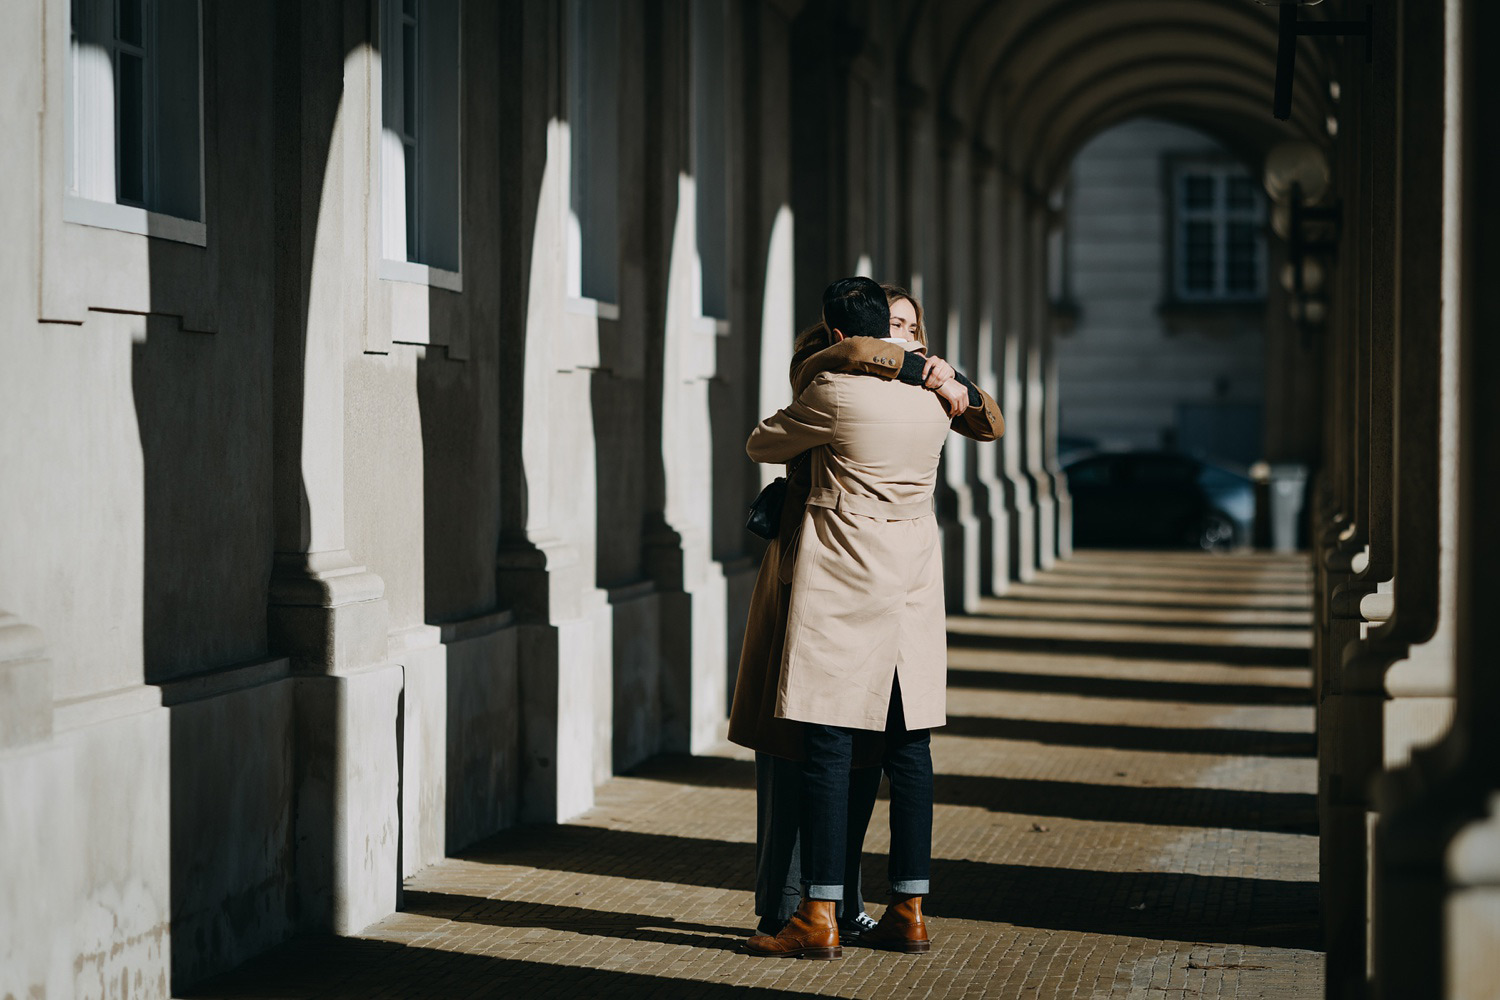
(843,673)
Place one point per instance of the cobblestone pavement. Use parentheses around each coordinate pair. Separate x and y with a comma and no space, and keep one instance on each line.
(1123,813)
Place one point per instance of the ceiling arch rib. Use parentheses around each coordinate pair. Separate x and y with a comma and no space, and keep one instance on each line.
(1232,116)
(1186,73)
(1141,43)
(1063,29)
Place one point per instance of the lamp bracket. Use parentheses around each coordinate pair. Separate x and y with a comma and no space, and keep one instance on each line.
(1290,28)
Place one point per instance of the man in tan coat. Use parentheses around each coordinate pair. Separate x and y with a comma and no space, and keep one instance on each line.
(865,643)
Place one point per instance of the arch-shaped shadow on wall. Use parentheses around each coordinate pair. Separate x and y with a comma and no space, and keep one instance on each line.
(220,417)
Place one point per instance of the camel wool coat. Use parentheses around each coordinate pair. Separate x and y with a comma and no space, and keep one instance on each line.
(752,719)
(866,603)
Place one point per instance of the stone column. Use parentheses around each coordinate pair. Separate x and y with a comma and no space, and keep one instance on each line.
(950,323)
(36,940)
(1392,700)
(1038,322)
(327,612)
(989,269)
(1061,545)
(1438,836)
(1350,707)
(545,567)
(1020,497)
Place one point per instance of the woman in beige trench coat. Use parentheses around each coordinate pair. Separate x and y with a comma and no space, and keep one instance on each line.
(778,742)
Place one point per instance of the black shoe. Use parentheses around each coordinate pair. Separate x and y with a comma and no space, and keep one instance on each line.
(851,930)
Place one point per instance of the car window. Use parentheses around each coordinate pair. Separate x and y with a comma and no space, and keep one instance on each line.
(1153,470)
(1094,472)
(1214,478)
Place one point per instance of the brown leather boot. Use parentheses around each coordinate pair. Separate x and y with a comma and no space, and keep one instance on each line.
(901,928)
(811,933)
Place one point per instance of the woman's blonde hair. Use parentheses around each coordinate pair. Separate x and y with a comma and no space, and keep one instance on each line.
(894,294)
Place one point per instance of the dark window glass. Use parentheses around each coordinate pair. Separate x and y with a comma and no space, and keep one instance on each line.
(1198,191)
(130,22)
(1243,251)
(1240,193)
(1198,265)
(130,129)
(412,243)
(409,71)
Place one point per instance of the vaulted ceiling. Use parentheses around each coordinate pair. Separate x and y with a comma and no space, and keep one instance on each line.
(1033,80)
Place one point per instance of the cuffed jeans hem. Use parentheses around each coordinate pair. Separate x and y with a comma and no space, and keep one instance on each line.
(834,893)
(910,887)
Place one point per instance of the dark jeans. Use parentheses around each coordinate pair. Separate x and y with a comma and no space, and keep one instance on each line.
(825,806)
(778,848)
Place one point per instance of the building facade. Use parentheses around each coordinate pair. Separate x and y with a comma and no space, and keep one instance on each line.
(374,378)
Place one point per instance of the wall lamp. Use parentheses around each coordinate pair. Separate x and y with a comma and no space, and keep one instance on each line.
(1297,179)
(1291,28)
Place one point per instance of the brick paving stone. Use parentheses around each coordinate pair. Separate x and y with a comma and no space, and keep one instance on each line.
(1107,825)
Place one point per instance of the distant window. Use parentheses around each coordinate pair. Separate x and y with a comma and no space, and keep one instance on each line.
(419,139)
(594,120)
(136,113)
(1219,246)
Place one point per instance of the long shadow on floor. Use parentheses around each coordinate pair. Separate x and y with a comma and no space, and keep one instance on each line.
(1167,625)
(1135,689)
(1162,739)
(1144,649)
(1160,905)
(1212,808)
(360,968)
(574,919)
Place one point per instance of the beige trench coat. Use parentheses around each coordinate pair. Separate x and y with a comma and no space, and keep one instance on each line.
(866,574)
(752,720)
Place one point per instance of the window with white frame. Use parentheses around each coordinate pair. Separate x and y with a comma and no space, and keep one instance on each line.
(135,157)
(1218,233)
(594,125)
(711,150)
(419,138)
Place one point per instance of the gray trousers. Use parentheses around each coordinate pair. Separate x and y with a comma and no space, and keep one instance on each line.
(778,854)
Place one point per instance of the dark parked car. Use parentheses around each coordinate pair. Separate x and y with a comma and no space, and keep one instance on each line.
(1157,499)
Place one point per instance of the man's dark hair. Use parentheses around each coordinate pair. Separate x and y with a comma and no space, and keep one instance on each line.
(857,307)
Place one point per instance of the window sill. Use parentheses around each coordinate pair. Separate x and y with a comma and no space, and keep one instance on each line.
(129,219)
(420,274)
(593,307)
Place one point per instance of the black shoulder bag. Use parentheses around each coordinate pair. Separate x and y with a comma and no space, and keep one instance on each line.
(765,509)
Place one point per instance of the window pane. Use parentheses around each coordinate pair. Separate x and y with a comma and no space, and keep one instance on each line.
(1242,267)
(130,125)
(410,151)
(409,71)
(176,125)
(1240,193)
(130,22)
(1198,257)
(710,152)
(1198,191)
